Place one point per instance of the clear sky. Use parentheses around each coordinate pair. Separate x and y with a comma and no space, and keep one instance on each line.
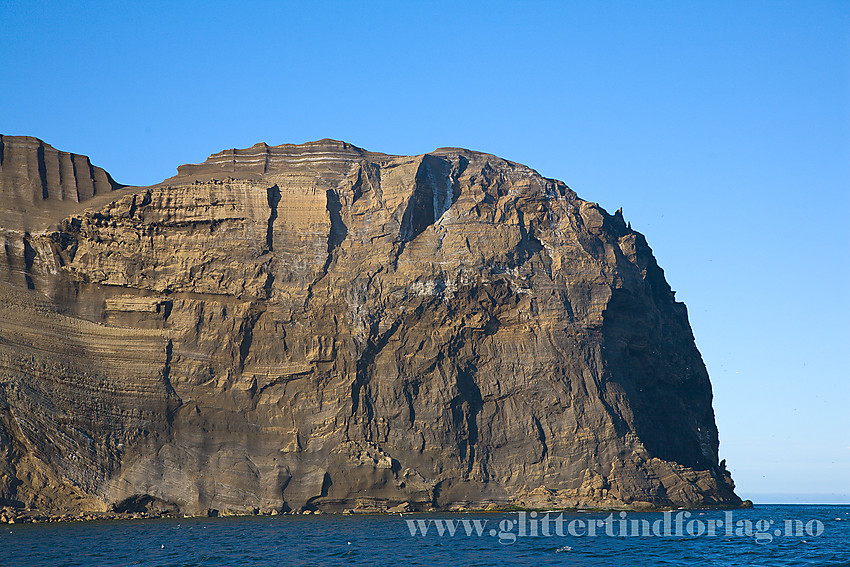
(721,128)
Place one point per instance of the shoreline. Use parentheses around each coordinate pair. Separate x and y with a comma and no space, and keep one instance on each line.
(7,517)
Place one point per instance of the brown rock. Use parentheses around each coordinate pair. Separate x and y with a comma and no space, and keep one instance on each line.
(401,508)
(322,327)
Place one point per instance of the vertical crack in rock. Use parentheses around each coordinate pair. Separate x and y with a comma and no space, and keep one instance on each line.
(92,177)
(323,492)
(443,191)
(63,158)
(430,199)
(266,158)
(411,391)
(336,235)
(365,367)
(77,197)
(357,187)
(436,189)
(457,171)
(419,213)
(173,400)
(166,369)
(338,230)
(246,334)
(42,172)
(465,409)
(435,494)
(541,436)
(273,198)
(9,256)
(29,260)
(372,170)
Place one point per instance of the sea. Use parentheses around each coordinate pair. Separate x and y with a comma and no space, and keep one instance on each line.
(768,535)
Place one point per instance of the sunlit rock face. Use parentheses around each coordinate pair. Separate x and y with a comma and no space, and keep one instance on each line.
(317,326)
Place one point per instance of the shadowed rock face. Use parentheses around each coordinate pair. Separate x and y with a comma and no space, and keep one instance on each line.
(316,326)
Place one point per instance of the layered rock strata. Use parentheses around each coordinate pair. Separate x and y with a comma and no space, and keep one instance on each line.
(315,326)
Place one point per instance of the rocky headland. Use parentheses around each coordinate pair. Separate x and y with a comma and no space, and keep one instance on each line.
(317,327)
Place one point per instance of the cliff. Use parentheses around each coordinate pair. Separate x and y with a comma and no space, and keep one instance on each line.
(317,326)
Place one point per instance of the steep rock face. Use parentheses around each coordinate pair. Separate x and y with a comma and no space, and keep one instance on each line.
(318,326)
(37,179)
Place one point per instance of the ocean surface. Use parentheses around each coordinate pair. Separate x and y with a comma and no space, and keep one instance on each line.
(769,535)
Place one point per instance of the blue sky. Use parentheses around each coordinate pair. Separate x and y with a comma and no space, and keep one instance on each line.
(721,128)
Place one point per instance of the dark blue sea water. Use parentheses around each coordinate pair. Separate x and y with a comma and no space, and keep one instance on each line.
(807,535)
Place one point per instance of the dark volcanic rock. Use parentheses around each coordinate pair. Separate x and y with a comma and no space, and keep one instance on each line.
(322,327)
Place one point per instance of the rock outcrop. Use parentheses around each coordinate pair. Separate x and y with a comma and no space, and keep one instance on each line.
(316,326)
